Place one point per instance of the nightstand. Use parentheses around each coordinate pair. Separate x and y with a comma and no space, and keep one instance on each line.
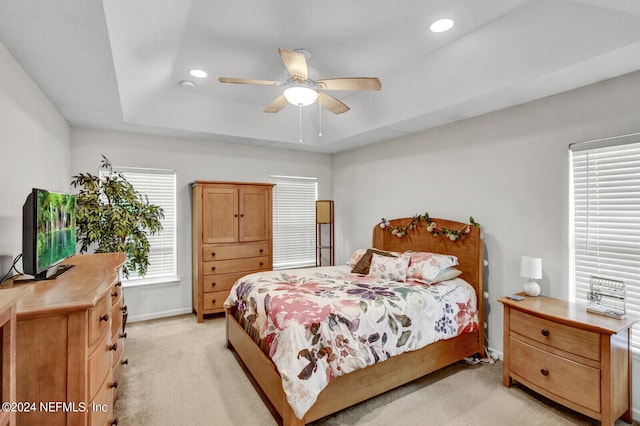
(578,359)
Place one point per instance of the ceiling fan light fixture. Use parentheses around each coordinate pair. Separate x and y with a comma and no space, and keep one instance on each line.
(198,73)
(441,25)
(300,95)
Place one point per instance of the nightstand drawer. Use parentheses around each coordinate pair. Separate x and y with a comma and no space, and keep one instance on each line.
(570,380)
(573,340)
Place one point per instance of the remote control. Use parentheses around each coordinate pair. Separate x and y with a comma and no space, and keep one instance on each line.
(515,297)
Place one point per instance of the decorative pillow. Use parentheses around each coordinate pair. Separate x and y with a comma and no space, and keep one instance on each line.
(389,268)
(362,266)
(447,274)
(427,266)
(356,256)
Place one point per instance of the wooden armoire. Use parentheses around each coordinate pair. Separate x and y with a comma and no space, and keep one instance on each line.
(231,237)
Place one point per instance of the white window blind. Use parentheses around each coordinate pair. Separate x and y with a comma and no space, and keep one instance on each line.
(159,185)
(294,221)
(605,208)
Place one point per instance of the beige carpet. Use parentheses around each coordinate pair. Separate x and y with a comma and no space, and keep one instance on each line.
(180,373)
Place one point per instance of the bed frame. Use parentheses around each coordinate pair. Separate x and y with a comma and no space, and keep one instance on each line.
(345,391)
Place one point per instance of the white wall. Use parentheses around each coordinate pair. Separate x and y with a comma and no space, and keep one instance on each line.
(35,149)
(192,160)
(509,170)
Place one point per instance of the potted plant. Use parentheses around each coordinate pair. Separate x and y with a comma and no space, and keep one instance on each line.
(113,217)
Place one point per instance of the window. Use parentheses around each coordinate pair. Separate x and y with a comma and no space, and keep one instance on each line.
(294,221)
(605,216)
(160,186)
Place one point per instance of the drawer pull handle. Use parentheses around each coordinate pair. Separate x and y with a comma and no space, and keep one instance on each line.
(114,422)
(235,215)
(104,317)
(213,268)
(213,302)
(261,250)
(113,347)
(242,215)
(123,335)
(114,294)
(213,254)
(213,284)
(125,362)
(545,332)
(119,284)
(261,263)
(113,385)
(544,371)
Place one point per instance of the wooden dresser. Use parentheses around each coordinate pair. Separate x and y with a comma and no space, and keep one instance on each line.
(231,237)
(69,343)
(578,359)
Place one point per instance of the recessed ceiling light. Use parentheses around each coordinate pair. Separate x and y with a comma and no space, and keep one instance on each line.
(187,83)
(441,25)
(198,73)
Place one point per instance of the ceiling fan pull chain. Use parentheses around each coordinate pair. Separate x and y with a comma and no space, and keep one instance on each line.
(300,123)
(320,116)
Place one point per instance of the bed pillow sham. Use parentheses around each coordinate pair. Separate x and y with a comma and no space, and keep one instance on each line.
(389,268)
(363,264)
(427,266)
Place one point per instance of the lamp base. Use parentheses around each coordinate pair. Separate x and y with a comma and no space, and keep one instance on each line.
(531,288)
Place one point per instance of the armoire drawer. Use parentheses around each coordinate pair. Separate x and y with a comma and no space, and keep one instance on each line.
(216,252)
(222,282)
(215,300)
(570,380)
(100,362)
(236,265)
(570,339)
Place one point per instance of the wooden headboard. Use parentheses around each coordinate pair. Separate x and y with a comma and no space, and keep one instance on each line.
(468,249)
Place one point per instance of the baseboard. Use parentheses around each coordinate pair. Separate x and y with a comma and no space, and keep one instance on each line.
(156,315)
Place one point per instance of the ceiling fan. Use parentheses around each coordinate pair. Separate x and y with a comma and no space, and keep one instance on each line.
(301,90)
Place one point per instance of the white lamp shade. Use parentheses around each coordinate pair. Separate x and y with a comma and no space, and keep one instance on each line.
(300,95)
(531,267)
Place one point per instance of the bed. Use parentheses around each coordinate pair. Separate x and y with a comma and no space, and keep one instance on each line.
(365,381)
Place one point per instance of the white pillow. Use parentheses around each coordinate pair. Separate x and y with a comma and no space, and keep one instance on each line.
(447,274)
(389,268)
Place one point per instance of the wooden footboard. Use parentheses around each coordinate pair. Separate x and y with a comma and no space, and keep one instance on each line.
(355,387)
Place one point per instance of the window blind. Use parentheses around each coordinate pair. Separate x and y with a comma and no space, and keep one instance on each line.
(159,185)
(294,221)
(605,210)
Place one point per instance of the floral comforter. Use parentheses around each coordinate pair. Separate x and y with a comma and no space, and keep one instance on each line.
(320,323)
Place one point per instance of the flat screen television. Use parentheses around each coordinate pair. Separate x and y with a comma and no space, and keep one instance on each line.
(48,233)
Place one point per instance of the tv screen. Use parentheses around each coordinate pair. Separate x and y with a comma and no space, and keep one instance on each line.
(49,230)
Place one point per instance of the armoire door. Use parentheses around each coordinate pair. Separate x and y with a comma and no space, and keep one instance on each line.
(255,213)
(220,215)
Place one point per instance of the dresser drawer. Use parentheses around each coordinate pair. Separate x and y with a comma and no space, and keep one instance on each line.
(570,380)
(214,301)
(99,319)
(573,340)
(222,282)
(99,365)
(214,252)
(236,265)
(100,411)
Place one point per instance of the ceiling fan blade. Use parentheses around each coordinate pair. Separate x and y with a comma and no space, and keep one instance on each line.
(354,83)
(296,63)
(247,81)
(331,103)
(277,104)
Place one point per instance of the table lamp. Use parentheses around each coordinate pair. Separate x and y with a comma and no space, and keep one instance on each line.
(531,267)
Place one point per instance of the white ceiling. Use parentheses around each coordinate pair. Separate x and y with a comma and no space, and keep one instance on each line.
(117,64)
